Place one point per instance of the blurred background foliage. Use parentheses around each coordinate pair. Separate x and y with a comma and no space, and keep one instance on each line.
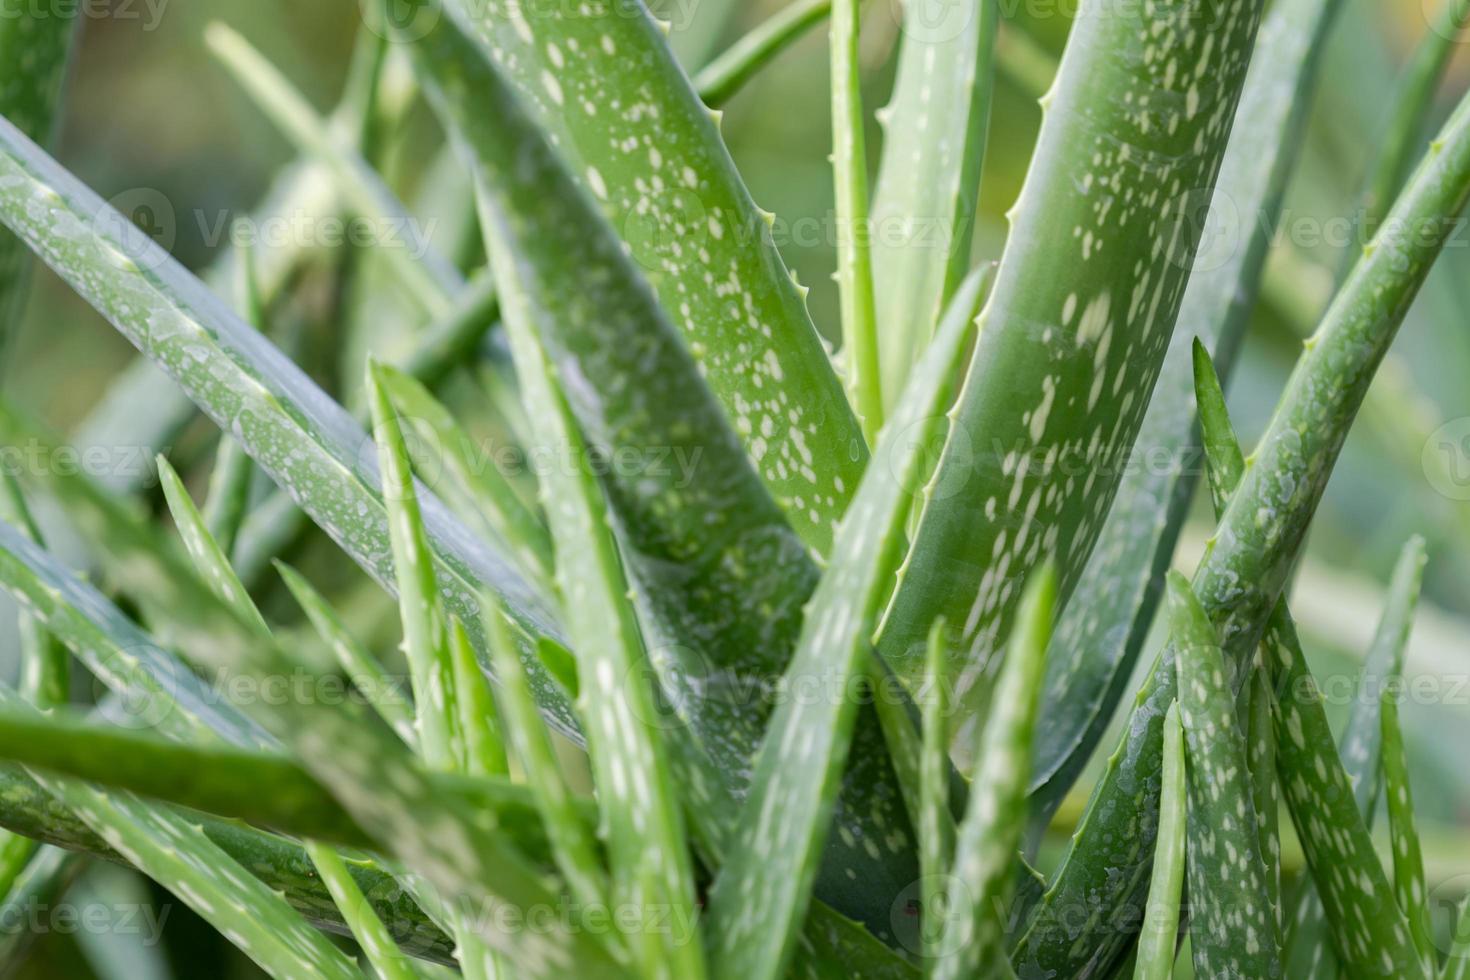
(151,117)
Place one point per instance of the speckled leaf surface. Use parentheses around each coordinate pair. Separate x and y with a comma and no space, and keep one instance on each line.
(1245,568)
(928,188)
(1106,621)
(982,880)
(651,154)
(763,890)
(1158,939)
(1232,923)
(1409,885)
(720,573)
(1309,947)
(1076,328)
(309,445)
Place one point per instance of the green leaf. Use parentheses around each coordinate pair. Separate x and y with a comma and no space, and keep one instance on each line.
(1260,761)
(985,846)
(703,244)
(495,499)
(1076,328)
(1232,921)
(376,942)
(935,127)
(1158,939)
(45,665)
(1408,859)
(573,848)
(1309,945)
(719,572)
(164,846)
(1245,568)
(651,866)
(307,444)
(283,866)
(425,630)
(762,891)
(854,255)
(1107,619)
(935,825)
(483,750)
(719,81)
(1371,940)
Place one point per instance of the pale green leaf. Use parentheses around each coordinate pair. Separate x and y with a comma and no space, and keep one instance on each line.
(1158,939)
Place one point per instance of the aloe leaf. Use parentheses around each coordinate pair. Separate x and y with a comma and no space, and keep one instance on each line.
(762,891)
(367,675)
(1408,857)
(261,787)
(704,246)
(573,848)
(1232,922)
(1360,746)
(1371,936)
(1158,939)
(935,825)
(1076,328)
(1106,621)
(425,630)
(718,81)
(935,127)
(483,750)
(1260,761)
(1260,534)
(164,846)
(720,572)
(35,44)
(651,865)
(428,278)
(988,836)
(283,866)
(854,250)
(516,525)
(377,943)
(295,433)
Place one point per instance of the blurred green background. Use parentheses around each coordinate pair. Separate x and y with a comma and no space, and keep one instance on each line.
(148,108)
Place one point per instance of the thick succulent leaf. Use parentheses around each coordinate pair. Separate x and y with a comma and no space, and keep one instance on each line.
(935,825)
(1309,946)
(981,883)
(762,891)
(35,46)
(45,663)
(1371,935)
(262,787)
(678,202)
(168,849)
(1076,327)
(1158,939)
(1408,857)
(1246,566)
(1107,619)
(574,849)
(854,247)
(425,629)
(372,936)
(718,81)
(643,824)
(935,128)
(720,572)
(27,809)
(1260,761)
(1232,922)
(308,445)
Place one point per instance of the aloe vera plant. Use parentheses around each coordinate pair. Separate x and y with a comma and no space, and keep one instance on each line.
(751,659)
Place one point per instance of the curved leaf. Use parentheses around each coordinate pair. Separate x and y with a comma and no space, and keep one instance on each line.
(1158,939)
